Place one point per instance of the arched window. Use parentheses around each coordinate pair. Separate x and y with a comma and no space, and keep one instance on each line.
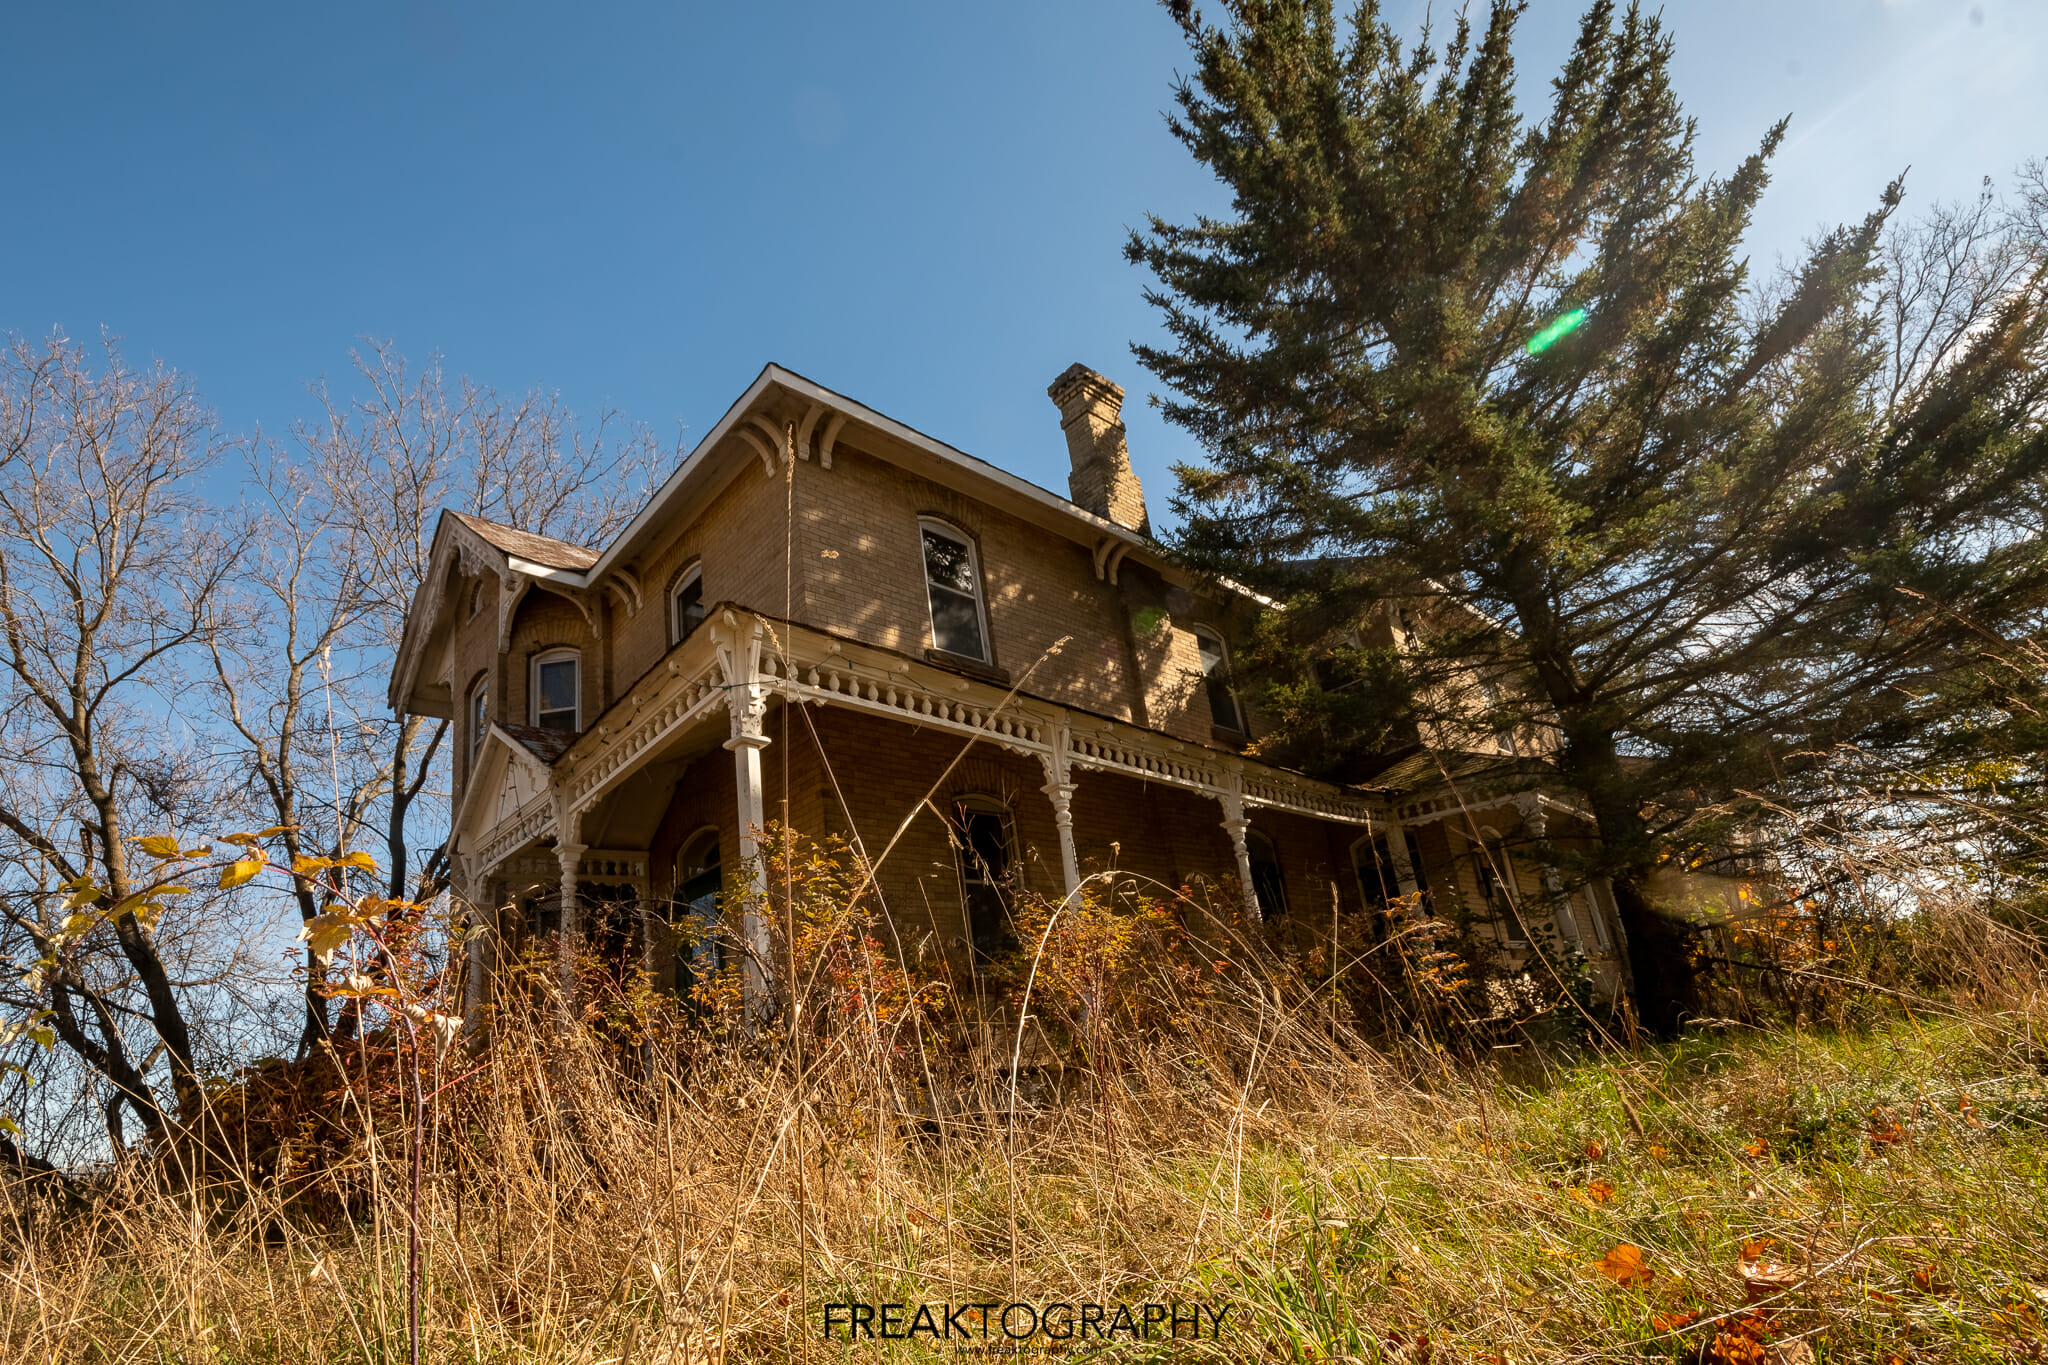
(478,713)
(556,690)
(981,838)
(698,880)
(952,578)
(686,604)
(1268,885)
(1224,711)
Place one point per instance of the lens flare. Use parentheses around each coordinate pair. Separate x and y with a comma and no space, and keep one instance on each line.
(1556,331)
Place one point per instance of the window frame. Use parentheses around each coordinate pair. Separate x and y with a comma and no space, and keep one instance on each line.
(533,697)
(1219,677)
(699,951)
(948,531)
(1003,935)
(1493,873)
(692,573)
(477,714)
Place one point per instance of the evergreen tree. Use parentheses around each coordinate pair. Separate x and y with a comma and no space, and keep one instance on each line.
(1693,533)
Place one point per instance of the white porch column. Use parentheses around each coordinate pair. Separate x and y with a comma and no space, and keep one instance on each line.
(739,658)
(1059,789)
(570,856)
(1407,876)
(1236,824)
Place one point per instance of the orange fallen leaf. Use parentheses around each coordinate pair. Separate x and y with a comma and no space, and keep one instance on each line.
(1625,1265)
(1754,1250)
(1761,1279)
(1927,1281)
(1757,1148)
(1671,1322)
(1595,1150)
(1657,1150)
(1600,1191)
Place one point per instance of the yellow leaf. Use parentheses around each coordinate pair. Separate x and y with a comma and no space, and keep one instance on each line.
(42,1038)
(325,933)
(303,864)
(8,1125)
(83,892)
(358,858)
(234,874)
(159,846)
(245,839)
(274,831)
(202,851)
(172,890)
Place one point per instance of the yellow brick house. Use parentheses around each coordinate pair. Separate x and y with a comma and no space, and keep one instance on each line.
(811,619)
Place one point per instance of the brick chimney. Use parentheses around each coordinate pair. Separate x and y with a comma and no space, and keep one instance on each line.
(1091,414)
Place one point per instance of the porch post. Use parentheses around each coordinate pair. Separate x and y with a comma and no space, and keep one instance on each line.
(1237,825)
(1407,876)
(739,658)
(570,857)
(1059,789)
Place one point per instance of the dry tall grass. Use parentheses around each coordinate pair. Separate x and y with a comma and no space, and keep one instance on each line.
(1179,1131)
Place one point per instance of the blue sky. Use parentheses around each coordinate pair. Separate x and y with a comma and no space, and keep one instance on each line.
(920,205)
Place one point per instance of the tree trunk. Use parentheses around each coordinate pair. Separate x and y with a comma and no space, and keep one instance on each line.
(1664,988)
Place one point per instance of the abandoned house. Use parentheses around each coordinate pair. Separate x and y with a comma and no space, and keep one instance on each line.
(808,622)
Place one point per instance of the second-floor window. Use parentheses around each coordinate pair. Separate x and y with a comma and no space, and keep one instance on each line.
(479,720)
(952,577)
(1223,707)
(556,690)
(686,604)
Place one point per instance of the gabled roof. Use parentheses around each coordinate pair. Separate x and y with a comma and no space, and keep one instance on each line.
(544,550)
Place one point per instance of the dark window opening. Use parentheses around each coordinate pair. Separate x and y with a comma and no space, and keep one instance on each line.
(687,609)
(1378,884)
(1224,711)
(1268,886)
(1495,874)
(700,955)
(555,686)
(982,834)
(479,723)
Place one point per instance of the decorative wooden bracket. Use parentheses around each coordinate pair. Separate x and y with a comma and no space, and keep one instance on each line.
(1109,556)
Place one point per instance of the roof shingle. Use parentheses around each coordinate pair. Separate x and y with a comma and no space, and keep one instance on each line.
(543,550)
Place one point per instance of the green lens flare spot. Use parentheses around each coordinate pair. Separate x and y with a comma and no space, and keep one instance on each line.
(1556,331)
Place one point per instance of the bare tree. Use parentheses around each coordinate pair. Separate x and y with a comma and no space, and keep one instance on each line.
(307,758)
(348,529)
(107,564)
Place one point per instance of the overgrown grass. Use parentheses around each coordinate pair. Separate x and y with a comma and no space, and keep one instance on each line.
(1861,1194)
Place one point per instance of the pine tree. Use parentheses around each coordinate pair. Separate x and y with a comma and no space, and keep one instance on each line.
(1703,533)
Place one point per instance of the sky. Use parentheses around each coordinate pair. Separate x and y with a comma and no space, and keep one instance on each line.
(922,206)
